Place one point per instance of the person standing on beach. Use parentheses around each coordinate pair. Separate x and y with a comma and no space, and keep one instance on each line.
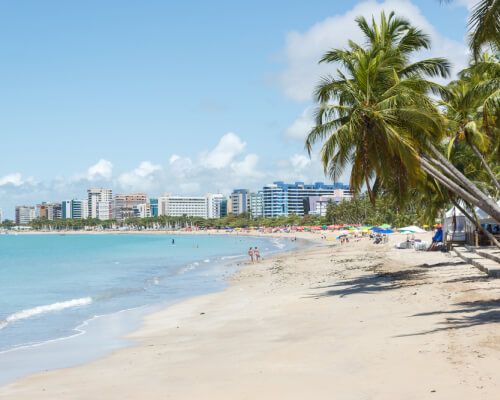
(256,253)
(250,254)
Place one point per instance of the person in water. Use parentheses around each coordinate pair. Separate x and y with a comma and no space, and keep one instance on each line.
(250,254)
(256,253)
(173,241)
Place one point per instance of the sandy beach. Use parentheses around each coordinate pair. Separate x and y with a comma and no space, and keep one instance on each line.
(360,321)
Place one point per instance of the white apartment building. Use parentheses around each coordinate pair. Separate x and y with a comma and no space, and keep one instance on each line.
(178,206)
(25,214)
(214,202)
(257,204)
(100,203)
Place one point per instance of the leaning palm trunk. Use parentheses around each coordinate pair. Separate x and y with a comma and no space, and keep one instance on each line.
(460,189)
(486,166)
(463,187)
(476,223)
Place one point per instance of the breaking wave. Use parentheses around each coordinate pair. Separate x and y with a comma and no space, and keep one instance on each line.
(32,312)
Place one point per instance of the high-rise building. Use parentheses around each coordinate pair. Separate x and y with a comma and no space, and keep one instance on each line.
(223,207)
(79,209)
(75,209)
(214,205)
(177,206)
(240,200)
(123,205)
(66,209)
(48,211)
(282,199)
(229,207)
(142,210)
(257,204)
(100,203)
(25,214)
(153,205)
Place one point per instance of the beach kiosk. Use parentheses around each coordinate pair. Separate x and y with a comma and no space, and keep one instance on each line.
(454,226)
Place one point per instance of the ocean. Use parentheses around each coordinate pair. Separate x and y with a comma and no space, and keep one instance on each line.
(53,286)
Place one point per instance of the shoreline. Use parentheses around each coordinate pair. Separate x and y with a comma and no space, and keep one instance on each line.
(309,323)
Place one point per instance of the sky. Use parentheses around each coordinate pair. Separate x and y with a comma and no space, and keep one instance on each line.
(174,97)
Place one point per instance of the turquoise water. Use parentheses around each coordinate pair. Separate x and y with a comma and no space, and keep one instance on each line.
(52,284)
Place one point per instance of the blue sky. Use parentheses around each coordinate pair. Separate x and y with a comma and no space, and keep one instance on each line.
(184,98)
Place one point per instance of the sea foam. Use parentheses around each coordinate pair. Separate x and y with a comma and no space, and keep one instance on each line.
(32,312)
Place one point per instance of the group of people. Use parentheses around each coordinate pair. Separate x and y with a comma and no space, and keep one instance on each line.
(379,238)
(254,254)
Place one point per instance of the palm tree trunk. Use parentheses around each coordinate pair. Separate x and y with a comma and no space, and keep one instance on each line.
(458,190)
(466,183)
(485,165)
(447,182)
(476,223)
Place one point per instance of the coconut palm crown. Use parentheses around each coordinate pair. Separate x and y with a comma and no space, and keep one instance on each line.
(375,113)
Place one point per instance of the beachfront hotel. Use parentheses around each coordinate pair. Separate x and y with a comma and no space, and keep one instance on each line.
(100,203)
(208,206)
(25,214)
(283,199)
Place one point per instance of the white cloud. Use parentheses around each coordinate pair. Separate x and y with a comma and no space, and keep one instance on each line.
(173,158)
(300,161)
(229,146)
(103,169)
(300,128)
(141,178)
(247,168)
(304,49)
(15,179)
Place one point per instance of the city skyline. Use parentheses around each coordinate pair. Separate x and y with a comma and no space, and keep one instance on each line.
(272,200)
(69,101)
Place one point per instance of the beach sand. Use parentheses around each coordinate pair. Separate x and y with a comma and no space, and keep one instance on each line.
(361,321)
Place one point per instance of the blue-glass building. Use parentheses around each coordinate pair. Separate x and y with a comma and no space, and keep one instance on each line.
(282,199)
(153,204)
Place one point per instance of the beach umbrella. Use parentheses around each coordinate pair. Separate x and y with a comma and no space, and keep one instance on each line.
(385,226)
(411,229)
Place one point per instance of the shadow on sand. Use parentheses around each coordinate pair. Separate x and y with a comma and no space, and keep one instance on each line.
(373,283)
(478,312)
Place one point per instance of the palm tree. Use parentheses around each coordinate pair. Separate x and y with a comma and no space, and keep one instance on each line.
(483,25)
(471,104)
(376,115)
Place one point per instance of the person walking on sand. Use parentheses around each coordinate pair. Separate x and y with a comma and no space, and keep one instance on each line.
(256,253)
(250,253)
